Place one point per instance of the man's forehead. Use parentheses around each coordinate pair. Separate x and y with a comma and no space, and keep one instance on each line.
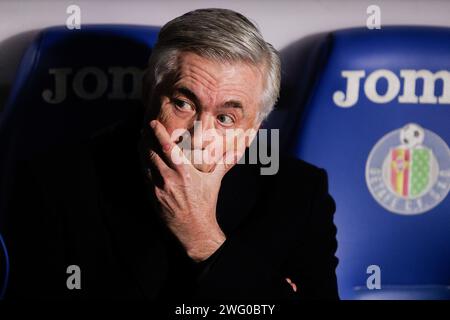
(200,75)
(215,72)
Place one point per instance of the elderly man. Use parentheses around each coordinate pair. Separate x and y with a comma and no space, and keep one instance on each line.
(155,222)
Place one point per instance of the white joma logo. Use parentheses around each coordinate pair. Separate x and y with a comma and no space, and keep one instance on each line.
(409,94)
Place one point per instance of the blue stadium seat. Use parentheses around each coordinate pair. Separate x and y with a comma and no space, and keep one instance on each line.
(74,82)
(383,138)
(70,85)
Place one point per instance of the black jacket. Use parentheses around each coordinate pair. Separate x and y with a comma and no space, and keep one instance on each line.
(88,204)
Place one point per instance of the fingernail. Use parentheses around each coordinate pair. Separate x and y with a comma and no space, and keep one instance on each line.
(153,124)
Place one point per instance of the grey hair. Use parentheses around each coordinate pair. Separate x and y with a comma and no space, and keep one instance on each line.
(219,34)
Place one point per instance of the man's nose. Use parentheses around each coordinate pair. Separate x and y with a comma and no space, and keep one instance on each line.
(202,132)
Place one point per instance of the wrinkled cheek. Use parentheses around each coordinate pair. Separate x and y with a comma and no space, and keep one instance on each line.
(174,125)
(165,117)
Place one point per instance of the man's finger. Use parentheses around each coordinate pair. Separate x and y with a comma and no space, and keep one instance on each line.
(158,163)
(171,151)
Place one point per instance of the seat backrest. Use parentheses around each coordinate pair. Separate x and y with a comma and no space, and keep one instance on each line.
(71,84)
(378,120)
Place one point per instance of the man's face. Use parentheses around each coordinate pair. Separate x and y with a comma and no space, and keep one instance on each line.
(218,96)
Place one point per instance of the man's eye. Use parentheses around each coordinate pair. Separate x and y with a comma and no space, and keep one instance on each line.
(225,119)
(182,105)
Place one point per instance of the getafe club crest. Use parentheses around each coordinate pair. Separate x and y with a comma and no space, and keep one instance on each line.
(408,170)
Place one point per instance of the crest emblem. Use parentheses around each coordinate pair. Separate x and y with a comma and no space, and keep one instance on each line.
(408,170)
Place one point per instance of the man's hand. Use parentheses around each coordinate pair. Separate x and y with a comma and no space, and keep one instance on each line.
(187,197)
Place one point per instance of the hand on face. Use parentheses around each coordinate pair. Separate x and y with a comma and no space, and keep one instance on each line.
(187,197)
